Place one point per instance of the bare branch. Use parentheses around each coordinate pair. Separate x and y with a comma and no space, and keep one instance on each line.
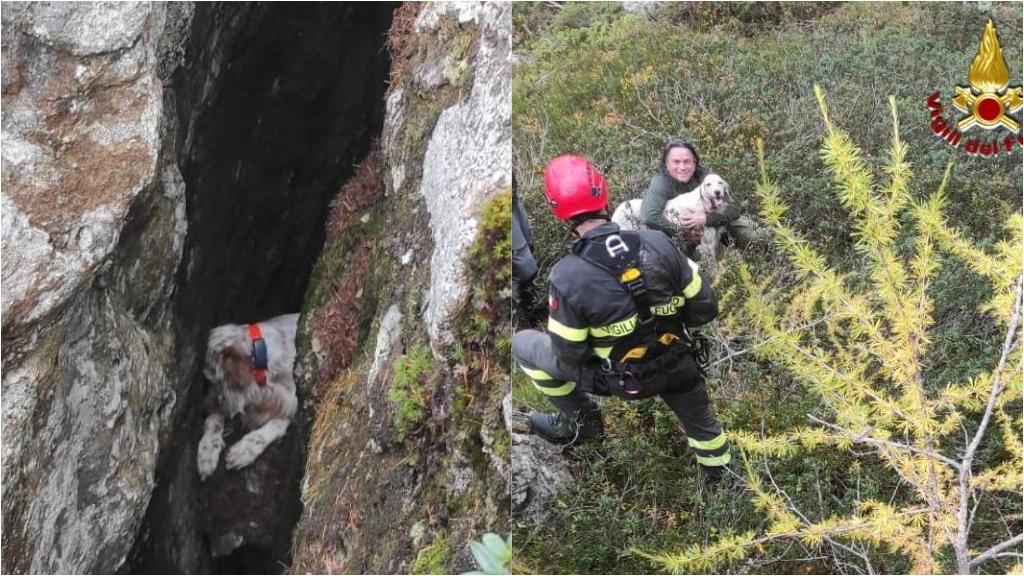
(862,439)
(995,550)
(974,510)
(650,112)
(807,521)
(773,338)
(997,387)
(1009,343)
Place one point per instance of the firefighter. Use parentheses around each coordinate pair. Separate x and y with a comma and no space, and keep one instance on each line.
(524,266)
(620,309)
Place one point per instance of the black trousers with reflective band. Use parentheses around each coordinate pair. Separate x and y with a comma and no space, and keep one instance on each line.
(687,398)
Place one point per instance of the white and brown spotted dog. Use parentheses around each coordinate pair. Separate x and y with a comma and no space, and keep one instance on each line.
(250,367)
(712,195)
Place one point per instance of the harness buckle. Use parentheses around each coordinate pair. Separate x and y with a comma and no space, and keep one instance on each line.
(636,287)
(607,367)
(697,345)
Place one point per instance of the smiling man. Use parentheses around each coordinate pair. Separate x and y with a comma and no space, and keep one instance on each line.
(680,172)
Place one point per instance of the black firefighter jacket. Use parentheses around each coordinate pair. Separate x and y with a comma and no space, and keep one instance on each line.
(593,314)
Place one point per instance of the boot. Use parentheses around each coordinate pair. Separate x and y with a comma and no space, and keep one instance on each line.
(578,420)
(723,477)
(714,474)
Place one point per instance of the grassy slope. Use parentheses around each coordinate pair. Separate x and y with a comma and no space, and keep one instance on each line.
(593,80)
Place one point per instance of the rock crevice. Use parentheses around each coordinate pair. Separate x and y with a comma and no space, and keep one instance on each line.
(166,168)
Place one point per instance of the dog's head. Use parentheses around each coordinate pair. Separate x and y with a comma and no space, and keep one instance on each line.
(714,191)
(228,359)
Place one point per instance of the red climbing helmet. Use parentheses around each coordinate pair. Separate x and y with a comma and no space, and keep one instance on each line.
(573,186)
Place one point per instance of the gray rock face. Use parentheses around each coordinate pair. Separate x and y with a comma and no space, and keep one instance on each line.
(82,105)
(89,372)
(540,471)
(377,498)
(643,8)
(90,29)
(388,335)
(469,155)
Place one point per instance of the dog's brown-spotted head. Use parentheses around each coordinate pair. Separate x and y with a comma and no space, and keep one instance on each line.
(714,191)
(228,361)
(237,368)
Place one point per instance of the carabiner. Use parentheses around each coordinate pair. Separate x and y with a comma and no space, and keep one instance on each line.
(629,384)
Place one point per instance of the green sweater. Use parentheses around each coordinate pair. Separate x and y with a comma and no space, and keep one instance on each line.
(664,188)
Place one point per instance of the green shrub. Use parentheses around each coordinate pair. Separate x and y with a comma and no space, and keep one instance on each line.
(410,389)
(433,558)
(614,86)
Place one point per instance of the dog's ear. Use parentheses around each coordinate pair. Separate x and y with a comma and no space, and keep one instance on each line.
(237,365)
(728,191)
(225,343)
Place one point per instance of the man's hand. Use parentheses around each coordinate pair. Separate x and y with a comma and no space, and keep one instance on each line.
(692,218)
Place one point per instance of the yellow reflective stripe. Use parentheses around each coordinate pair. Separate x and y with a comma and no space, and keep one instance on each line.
(694,287)
(673,306)
(715,460)
(664,309)
(713,444)
(603,351)
(537,374)
(617,329)
(570,334)
(562,390)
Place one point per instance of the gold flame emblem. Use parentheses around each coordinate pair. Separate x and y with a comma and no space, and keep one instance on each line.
(988,101)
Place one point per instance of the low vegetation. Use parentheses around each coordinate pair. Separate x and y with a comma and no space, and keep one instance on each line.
(411,388)
(867,362)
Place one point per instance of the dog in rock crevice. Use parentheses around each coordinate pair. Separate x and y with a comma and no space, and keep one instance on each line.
(250,368)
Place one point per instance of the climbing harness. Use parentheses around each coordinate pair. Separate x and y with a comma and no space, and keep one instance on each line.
(621,255)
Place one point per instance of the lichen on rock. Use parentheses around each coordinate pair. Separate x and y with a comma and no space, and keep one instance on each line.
(88,364)
(82,108)
(468,157)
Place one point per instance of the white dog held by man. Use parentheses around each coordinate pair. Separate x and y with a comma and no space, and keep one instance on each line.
(711,196)
(250,367)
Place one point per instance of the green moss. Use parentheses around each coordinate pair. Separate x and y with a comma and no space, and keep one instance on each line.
(490,259)
(503,344)
(410,389)
(377,289)
(433,558)
(325,273)
(493,244)
(334,258)
(503,447)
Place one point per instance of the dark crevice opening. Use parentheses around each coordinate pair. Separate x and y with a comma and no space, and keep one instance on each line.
(275,105)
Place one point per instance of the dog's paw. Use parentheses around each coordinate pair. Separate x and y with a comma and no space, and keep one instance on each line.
(208,454)
(243,453)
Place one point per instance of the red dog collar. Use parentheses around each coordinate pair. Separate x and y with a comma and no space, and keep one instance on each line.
(259,354)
